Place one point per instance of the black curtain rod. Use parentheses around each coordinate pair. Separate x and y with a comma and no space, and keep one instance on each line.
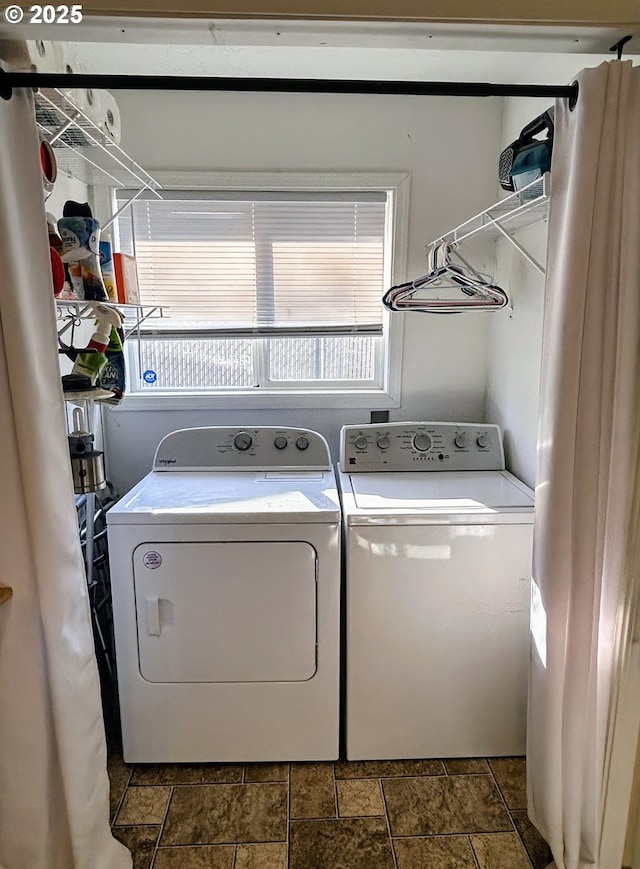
(9,80)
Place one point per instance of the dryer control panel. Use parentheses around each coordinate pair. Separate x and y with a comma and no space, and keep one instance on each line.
(223,448)
(421,446)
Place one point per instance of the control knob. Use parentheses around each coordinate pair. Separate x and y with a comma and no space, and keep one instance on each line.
(422,442)
(482,441)
(242,441)
(360,442)
(383,441)
(302,442)
(280,442)
(460,440)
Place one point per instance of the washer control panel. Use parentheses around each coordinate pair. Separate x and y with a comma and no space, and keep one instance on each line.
(226,448)
(421,446)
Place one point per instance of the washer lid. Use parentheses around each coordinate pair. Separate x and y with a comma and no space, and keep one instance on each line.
(399,496)
(229,497)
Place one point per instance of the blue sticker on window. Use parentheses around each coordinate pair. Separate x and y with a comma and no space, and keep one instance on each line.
(149,376)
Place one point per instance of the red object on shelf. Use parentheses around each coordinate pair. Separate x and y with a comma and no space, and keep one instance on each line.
(48,167)
(57,271)
(126,279)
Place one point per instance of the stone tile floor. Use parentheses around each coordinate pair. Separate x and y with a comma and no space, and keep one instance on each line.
(421,814)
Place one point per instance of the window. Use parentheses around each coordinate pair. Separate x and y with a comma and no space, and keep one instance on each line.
(273,289)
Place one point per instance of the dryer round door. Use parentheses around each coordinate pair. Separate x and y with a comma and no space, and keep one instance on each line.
(226,612)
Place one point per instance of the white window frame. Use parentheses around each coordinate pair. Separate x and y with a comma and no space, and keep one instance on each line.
(308,394)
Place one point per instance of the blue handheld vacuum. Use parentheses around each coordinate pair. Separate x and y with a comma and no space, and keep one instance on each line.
(528,158)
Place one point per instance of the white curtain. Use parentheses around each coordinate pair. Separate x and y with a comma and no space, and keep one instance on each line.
(54,806)
(586,538)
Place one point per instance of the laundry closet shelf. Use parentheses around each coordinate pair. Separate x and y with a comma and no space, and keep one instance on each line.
(80,396)
(69,311)
(84,151)
(516,211)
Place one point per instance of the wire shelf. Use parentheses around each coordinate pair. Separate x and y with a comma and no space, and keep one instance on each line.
(516,211)
(71,311)
(83,150)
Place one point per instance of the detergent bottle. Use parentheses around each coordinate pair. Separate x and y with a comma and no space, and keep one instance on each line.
(80,234)
(93,358)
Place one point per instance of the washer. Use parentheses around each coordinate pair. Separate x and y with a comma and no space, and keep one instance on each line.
(438,567)
(225,571)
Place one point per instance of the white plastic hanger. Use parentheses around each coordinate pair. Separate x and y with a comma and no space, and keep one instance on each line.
(446,277)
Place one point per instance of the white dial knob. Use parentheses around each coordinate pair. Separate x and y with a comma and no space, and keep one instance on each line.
(482,441)
(383,441)
(280,442)
(302,442)
(360,443)
(242,441)
(460,440)
(422,442)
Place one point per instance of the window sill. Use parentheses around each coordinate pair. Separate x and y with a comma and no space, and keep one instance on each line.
(261,399)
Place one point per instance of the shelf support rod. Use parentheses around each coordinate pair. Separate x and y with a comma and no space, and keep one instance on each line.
(63,129)
(126,205)
(525,253)
(140,318)
(70,315)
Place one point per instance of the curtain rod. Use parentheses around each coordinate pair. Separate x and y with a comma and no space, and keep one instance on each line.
(9,80)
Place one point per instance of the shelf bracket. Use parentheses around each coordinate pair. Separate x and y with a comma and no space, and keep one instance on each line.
(620,44)
(520,248)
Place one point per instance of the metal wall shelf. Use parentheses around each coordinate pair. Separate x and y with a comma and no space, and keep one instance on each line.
(84,151)
(71,312)
(516,211)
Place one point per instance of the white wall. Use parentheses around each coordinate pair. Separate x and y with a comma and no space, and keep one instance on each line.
(446,144)
(515,346)
(515,338)
(63,189)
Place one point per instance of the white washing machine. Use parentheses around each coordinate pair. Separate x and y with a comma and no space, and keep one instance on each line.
(438,564)
(225,572)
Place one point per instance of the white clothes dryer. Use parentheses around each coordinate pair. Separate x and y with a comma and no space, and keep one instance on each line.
(438,543)
(225,572)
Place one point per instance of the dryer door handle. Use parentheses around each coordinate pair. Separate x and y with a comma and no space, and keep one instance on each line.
(153,616)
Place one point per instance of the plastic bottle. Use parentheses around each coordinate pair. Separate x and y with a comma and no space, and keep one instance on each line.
(113,376)
(80,240)
(91,363)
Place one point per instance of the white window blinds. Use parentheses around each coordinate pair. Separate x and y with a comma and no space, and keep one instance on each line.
(281,263)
